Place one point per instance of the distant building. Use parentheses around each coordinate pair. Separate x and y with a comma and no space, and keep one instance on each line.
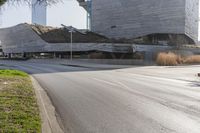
(1,16)
(39,12)
(153,21)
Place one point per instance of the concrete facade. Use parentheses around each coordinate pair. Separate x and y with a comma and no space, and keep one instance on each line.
(137,18)
(192,19)
(22,39)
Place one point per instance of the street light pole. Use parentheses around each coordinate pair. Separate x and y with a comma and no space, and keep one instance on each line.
(71,29)
(71,50)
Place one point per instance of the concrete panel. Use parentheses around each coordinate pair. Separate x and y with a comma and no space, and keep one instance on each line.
(135,18)
(19,39)
(191,19)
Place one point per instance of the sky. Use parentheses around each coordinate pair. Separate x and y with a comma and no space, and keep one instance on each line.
(67,12)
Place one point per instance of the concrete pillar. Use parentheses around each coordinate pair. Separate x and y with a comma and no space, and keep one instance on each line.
(148,57)
(23,55)
(9,55)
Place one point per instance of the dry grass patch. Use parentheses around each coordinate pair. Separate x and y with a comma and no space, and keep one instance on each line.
(168,59)
(172,59)
(194,59)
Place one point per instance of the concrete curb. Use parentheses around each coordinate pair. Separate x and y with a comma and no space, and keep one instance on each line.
(96,66)
(50,123)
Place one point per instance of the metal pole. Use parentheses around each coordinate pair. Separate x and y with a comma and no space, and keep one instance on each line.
(71,54)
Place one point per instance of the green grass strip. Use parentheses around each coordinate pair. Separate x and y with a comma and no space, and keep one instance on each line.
(19,111)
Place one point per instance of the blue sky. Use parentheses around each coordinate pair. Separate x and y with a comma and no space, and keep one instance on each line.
(68,12)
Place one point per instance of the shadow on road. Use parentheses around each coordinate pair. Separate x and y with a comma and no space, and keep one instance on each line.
(194,83)
(42,68)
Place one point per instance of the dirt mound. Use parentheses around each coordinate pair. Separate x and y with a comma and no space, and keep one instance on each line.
(62,35)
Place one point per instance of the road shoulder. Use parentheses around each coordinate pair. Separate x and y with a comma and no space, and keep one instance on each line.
(50,122)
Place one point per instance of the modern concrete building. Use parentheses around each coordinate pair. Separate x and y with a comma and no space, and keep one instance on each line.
(23,39)
(39,12)
(1,21)
(157,21)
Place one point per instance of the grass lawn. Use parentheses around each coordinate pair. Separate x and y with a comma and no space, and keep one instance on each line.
(18,105)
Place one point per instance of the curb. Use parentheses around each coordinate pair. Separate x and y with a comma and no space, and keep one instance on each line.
(96,67)
(50,123)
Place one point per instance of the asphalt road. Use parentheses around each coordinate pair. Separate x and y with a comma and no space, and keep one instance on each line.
(130,100)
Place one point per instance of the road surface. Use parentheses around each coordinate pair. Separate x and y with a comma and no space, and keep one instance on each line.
(130,100)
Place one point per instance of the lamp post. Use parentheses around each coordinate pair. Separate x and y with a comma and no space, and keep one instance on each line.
(71,47)
(71,30)
(71,42)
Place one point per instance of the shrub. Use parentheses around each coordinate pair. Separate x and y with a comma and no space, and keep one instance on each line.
(194,59)
(172,59)
(168,59)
